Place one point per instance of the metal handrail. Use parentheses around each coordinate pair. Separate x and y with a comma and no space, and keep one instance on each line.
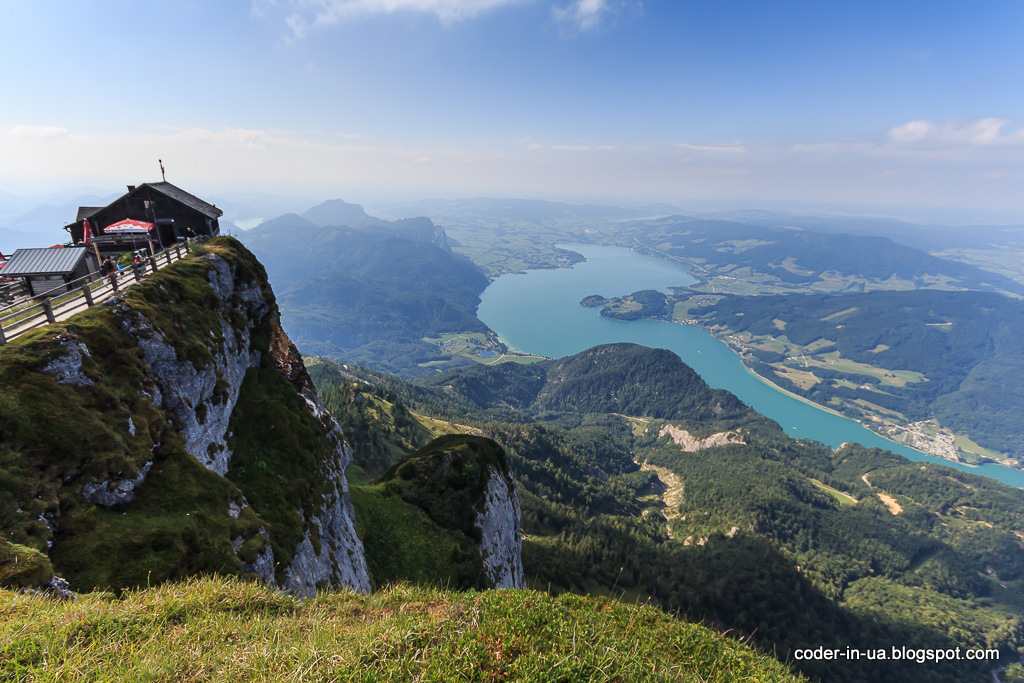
(91,289)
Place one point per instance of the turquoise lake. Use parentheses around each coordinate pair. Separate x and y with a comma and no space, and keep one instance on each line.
(538,312)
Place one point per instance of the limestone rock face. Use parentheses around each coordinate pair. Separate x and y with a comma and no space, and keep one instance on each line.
(335,563)
(501,545)
(173,430)
(202,401)
(67,367)
(689,444)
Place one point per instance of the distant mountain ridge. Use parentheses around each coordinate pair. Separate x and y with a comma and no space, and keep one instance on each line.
(611,378)
(369,294)
(334,212)
(42,225)
(533,209)
(805,259)
(923,236)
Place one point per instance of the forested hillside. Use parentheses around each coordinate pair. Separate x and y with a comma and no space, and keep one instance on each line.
(637,480)
(951,356)
(370,295)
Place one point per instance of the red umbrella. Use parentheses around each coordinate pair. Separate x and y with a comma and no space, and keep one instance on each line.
(88,231)
(129,226)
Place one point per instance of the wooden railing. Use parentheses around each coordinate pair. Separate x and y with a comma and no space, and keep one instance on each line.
(81,294)
(12,292)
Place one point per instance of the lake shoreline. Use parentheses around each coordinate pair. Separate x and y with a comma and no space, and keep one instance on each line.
(540,315)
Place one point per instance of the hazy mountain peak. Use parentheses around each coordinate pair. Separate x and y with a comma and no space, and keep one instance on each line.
(285,221)
(339,212)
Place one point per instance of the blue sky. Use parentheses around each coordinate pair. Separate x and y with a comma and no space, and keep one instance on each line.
(909,103)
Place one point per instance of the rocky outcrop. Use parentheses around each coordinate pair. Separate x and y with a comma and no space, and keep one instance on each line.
(501,545)
(202,399)
(689,444)
(335,563)
(67,367)
(115,491)
(464,483)
(172,372)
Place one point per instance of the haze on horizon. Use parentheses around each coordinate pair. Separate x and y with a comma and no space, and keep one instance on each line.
(917,104)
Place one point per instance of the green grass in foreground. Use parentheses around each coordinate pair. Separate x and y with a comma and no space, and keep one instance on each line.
(226,629)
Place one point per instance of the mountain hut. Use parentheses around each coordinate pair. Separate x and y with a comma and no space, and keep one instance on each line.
(169,209)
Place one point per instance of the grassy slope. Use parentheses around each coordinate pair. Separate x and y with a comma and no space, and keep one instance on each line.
(224,629)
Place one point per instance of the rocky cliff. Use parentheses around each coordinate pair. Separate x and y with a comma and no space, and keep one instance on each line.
(457,497)
(172,431)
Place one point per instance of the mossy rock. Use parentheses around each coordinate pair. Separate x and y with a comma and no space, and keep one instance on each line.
(417,522)
(23,567)
(58,436)
(447,478)
(401,543)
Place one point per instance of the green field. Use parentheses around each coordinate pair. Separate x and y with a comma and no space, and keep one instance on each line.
(471,344)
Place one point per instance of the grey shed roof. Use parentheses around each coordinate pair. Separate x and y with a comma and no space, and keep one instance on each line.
(187,199)
(43,261)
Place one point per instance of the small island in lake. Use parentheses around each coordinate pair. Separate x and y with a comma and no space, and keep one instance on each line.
(647,303)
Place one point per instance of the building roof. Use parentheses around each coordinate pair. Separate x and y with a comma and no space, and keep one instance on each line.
(44,261)
(187,199)
(87,211)
(170,191)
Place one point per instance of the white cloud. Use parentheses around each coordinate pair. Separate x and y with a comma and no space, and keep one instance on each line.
(307,14)
(584,15)
(979,132)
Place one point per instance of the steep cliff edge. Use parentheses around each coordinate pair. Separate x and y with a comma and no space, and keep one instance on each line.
(447,515)
(174,431)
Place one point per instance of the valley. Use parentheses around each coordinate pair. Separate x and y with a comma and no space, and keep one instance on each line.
(513,341)
(504,435)
(831,351)
(885,397)
(637,479)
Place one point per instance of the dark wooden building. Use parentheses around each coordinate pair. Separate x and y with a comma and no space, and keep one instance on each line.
(169,208)
(49,270)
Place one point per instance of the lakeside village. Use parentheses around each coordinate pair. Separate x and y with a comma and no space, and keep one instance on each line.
(148,218)
(926,436)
